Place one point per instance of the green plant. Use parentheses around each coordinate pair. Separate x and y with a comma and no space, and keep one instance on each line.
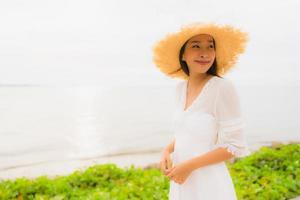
(270,173)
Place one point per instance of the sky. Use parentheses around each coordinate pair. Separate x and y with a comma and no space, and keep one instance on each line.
(63,42)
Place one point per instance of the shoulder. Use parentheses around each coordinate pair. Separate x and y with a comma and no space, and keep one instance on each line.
(226,90)
(224,83)
(179,86)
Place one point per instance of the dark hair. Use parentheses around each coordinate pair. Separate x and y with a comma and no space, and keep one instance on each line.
(184,67)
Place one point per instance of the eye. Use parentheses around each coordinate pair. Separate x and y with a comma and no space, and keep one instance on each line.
(195,46)
(211,46)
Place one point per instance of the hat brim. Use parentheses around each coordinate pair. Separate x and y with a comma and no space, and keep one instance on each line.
(230,42)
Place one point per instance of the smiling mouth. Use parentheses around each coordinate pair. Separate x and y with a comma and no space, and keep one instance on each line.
(202,61)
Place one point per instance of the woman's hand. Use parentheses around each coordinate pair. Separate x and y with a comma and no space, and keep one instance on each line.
(179,173)
(166,162)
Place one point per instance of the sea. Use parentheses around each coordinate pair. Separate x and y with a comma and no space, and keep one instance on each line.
(44,123)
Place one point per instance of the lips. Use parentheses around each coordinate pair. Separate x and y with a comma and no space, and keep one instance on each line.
(202,61)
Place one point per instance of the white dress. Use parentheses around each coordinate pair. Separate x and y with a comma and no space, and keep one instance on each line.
(213,120)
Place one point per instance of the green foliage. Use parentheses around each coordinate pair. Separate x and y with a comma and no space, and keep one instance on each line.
(270,173)
(96,183)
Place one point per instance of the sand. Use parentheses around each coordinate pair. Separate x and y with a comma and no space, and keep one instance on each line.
(53,168)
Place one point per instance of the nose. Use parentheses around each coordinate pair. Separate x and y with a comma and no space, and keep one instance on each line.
(204,55)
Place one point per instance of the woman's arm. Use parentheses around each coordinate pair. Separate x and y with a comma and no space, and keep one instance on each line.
(217,155)
(180,172)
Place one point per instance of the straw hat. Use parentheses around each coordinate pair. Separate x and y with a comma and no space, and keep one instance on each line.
(230,42)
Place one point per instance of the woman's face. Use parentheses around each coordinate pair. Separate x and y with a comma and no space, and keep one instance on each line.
(199,53)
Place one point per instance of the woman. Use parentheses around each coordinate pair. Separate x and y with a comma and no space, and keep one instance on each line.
(208,124)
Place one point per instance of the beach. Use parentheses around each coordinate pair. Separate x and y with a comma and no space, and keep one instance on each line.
(64,167)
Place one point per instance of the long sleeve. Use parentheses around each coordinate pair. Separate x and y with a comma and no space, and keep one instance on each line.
(230,122)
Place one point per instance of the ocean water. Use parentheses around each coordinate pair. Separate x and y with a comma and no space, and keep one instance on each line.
(51,123)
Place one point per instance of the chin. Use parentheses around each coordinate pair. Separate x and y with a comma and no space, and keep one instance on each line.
(201,71)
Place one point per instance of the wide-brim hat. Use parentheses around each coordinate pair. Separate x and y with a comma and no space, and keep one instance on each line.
(230,42)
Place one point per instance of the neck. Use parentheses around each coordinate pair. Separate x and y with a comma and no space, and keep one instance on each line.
(196,79)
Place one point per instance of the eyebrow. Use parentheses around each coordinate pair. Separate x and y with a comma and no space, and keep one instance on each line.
(196,41)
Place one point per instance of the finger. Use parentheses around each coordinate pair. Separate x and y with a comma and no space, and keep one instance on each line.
(163,165)
(178,181)
(165,168)
(160,165)
(170,175)
(168,171)
(162,170)
(169,165)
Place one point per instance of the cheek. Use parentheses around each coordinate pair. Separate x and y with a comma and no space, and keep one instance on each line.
(212,54)
(190,54)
